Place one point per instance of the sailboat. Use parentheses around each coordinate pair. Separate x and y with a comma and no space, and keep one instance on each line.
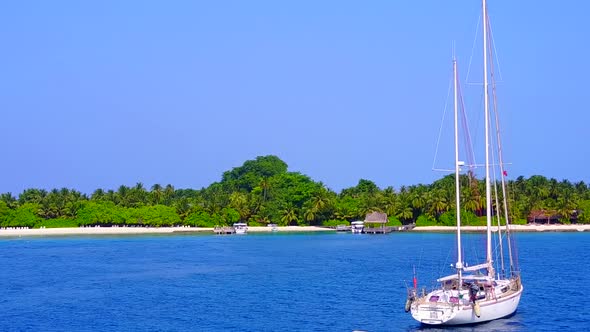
(474,293)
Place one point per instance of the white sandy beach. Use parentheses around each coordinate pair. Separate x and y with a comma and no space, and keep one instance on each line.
(262,229)
(254,229)
(516,228)
(141,230)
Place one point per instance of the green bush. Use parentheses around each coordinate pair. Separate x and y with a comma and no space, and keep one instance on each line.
(424,220)
(203,219)
(57,223)
(393,221)
(158,216)
(447,219)
(334,223)
(230,215)
(468,218)
(100,213)
(24,216)
(4,211)
(519,222)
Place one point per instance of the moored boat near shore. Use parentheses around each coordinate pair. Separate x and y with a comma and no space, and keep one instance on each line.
(240,228)
(357,226)
(483,291)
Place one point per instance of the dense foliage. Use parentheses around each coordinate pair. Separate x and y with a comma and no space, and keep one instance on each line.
(262,191)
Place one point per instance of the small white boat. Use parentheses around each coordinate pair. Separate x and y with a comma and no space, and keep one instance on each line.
(357,227)
(240,228)
(274,227)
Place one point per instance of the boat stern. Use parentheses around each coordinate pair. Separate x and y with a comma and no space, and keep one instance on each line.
(432,314)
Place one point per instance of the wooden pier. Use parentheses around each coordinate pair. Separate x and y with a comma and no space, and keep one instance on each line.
(224,230)
(378,230)
(343,228)
(387,229)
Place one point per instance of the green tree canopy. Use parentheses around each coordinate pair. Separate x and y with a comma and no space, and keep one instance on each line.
(249,175)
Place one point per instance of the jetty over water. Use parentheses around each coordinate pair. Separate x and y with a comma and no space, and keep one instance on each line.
(387,229)
(343,228)
(375,224)
(224,230)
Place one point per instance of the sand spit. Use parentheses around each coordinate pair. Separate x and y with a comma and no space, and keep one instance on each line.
(16,232)
(515,228)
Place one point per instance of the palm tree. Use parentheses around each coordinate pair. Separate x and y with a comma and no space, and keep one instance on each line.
(438,202)
(389,201)
(98,195)
(156,193)
(565,205)
(343,215)
(168,194)
(265,186)
(405,213)
(183,207)
(137,195)
(122,198)
(320,200)
(255,203)
(215,199)
(310,213)
(239,202)
(32,196)
(346,209)
(10,200)
(581,189)
(288,215)
(368,205)
(111,196)
(419,197)
(470,201)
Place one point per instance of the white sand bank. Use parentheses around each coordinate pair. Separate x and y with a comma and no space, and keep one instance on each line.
(516,228)
(255,229)
(140,230)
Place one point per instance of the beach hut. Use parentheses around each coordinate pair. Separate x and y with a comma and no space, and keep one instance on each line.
(376,219)
(543,217)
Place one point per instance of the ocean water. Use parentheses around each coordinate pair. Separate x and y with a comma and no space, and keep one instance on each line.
(267,282)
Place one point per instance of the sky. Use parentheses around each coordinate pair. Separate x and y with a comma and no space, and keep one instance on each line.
(98,94)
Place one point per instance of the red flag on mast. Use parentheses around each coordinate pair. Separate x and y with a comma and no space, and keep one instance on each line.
(505,173)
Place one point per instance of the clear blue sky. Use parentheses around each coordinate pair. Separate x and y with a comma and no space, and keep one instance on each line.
(95,94)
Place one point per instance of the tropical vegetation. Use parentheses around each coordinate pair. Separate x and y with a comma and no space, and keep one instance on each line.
(263,191)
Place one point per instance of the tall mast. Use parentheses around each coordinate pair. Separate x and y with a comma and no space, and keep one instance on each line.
(502,175)
(459,265)
(487,141)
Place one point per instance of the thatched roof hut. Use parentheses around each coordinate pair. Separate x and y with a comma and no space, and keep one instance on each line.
(376,218)
(543,217)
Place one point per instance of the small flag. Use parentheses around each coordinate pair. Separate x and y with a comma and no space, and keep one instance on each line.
(415,283)
(505,173)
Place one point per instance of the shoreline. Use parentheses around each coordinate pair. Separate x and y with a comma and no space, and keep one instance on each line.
(41,232)
(513,228)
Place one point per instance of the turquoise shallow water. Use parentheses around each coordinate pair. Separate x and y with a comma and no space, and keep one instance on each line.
(266,282)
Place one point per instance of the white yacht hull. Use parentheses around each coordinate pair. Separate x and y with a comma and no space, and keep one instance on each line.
(240,231)
(448,314)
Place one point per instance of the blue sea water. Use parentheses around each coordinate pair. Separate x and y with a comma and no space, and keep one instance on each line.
(267,282)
